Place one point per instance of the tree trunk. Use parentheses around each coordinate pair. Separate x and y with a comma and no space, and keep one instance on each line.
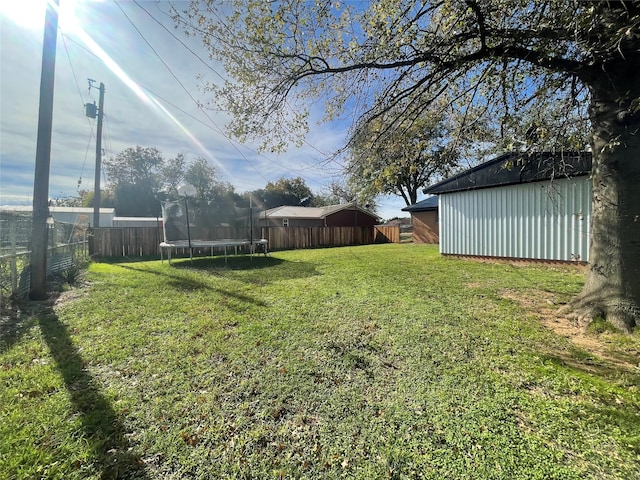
(612,287)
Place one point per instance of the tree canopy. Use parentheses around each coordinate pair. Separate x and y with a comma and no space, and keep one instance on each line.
(495,60)
(284,191)
(134,178)
(341,192)
(139,177)
(400,159)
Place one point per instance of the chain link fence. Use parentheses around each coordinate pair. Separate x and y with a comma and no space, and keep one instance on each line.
(68,246)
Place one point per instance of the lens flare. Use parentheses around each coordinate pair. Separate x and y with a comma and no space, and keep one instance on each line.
(145,97)
(30,14)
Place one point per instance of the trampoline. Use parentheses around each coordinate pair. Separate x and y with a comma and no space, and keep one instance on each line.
(189,225)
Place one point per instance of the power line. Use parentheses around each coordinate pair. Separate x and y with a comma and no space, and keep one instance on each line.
(215,127)
(181,84)
(191,96)
(86,154)
(206,64)
(91,134)
(179,40)
(218,74)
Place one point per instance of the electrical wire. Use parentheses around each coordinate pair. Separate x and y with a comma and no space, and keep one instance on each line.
(107,144)
(91,134)
(86,154)
(216,72)
(199,106)
(179,40)
(215,127)
(182,85)
(207,65)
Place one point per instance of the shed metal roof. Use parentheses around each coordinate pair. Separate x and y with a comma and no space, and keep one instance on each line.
(516,167)
(430,203)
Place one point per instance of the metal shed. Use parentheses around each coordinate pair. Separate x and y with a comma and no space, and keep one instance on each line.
(524,206)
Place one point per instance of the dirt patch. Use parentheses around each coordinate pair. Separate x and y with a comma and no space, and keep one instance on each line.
(56,297)
(543,305)
(70,295)
(523,262)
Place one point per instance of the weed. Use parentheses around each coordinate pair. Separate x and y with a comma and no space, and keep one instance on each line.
(600,325)
(73,274)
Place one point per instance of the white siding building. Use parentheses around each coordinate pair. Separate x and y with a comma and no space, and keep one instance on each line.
(518,206)
(74,215)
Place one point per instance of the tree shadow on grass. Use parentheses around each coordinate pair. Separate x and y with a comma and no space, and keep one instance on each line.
(13,325)
(182,284)
(608,370)
(103,430)
(259,270)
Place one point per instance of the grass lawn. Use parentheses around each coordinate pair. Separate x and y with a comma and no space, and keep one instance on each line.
(372,362)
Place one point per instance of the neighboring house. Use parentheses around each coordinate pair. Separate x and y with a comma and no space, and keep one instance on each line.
(74,215)
(424,218)
(403,223)
(525,206)
(346,215)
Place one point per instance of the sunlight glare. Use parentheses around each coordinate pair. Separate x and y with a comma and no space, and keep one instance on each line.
(30,14)
(141,94)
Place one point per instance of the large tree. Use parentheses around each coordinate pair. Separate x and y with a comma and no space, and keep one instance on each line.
(392,157)
(284,191)
(506,56)
(135,180)
(139,177)
(340,192)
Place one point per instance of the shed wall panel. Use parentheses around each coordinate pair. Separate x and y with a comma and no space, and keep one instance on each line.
(541,220)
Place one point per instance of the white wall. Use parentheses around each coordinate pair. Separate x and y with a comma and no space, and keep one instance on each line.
(79,215)
(74,215)
(137,222)
(542,220)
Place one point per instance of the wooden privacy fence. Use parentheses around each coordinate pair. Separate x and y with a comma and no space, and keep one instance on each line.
(145,241)
(386,234)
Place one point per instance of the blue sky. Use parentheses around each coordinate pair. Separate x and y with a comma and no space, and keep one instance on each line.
(124,46)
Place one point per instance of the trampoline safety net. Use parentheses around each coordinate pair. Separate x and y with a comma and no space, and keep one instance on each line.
(187,223)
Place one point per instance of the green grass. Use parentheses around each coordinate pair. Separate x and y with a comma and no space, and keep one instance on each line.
(382,361)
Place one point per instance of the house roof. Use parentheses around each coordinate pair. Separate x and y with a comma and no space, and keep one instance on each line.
(56,209)
(288,211)
(430,203)
(516,167)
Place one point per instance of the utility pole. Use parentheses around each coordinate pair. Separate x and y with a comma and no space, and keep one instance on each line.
(38,284)
(91,112)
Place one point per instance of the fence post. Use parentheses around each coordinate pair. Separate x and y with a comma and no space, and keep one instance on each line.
(13,227)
